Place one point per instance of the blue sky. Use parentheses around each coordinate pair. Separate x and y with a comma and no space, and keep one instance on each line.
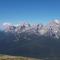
(32,11)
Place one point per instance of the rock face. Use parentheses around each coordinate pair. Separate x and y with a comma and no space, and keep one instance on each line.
(54,28)
(31,40)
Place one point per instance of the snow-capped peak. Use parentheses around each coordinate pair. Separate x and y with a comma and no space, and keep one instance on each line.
(7,27)
(7,24)
(57,21)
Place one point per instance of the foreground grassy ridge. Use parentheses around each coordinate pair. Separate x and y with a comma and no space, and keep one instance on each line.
(6,57)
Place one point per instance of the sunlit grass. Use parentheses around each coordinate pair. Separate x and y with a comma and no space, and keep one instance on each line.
(6,57)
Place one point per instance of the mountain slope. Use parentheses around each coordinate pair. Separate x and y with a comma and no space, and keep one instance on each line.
(33,41)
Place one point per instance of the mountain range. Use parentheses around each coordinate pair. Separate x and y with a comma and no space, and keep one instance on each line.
(51,29)
(37,40)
